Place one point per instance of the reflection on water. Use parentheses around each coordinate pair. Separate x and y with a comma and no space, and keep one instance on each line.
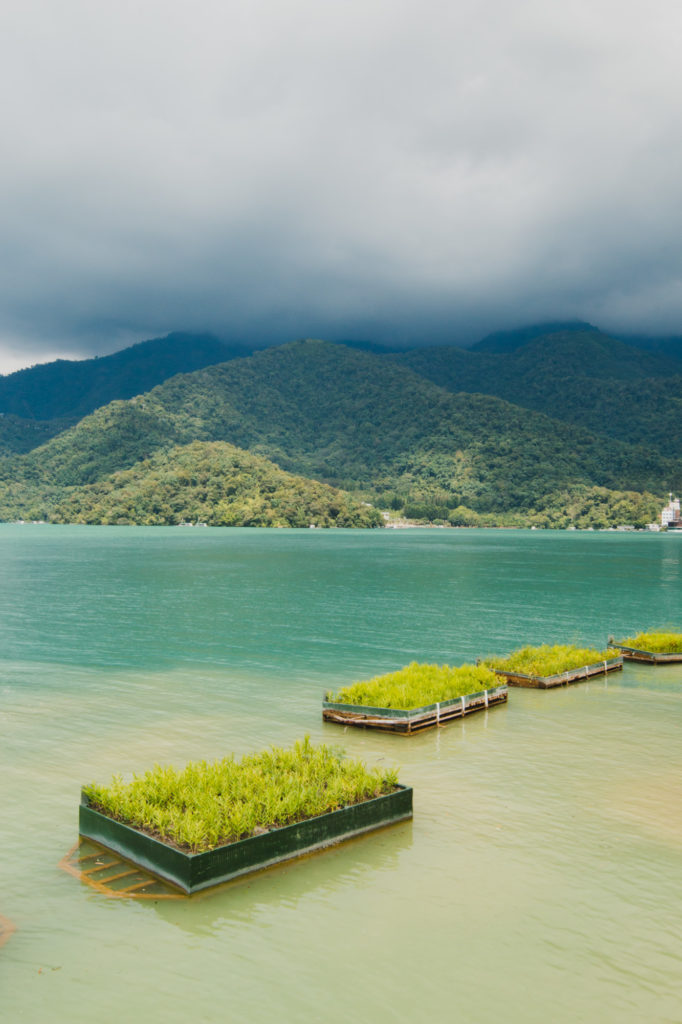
(540,879)
(325,875)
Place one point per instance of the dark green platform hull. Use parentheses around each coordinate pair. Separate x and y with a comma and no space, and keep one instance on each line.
(192,872)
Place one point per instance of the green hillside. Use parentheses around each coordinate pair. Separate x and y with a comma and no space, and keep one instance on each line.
(204,482)
(21,435)
(353,419)
(583,378)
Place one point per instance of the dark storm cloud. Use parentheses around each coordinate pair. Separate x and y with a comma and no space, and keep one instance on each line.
(397,170)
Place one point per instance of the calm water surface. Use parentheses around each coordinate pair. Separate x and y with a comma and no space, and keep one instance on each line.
(541,878)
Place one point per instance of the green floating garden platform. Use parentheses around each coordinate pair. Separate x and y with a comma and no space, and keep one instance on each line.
(192,872)
(411,720)
(574,675)
(650,657)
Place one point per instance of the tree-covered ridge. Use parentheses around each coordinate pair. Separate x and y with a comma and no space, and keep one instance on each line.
(355,420)
(509,340)
(581,377)
(70,388)
(19,435)
(203,482)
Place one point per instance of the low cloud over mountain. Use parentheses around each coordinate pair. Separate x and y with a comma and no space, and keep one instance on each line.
(399,171)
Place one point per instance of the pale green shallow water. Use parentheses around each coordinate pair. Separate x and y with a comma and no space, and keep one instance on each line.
(541,878)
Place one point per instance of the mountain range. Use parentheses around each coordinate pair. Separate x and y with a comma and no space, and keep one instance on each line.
(550,426)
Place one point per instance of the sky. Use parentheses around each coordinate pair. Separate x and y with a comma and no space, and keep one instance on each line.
(397,171)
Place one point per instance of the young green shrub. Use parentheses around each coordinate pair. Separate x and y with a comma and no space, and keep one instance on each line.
(547,660)
(206,805)
(417,686)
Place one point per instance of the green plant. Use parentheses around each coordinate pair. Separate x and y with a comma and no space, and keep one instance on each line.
(547,660)
(209,804)
(417,685)
(657,641)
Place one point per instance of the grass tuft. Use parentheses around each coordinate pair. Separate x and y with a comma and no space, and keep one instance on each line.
(416,686)
(210,804)
(657,641)
(547,660)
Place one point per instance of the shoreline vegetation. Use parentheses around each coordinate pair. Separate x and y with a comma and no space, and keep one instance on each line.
(547,659)
(575,508)
(416,685)
(217,484)
(211,804)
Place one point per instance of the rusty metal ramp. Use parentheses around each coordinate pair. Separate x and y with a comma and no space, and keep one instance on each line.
(112,876)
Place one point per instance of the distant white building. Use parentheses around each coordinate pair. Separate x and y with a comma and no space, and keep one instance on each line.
(671,512)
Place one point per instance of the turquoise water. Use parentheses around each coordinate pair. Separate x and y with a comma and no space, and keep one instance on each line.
(541,877)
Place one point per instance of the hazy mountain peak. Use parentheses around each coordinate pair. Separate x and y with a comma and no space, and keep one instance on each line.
(509,341)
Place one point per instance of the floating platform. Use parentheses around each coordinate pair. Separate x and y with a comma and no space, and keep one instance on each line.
(7,929)
(574,675)
(650,657)
(192,872)
(410,720)
(113,876)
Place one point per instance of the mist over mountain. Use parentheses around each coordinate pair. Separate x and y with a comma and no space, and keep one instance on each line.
(68,388)
(510,340)
(40,401)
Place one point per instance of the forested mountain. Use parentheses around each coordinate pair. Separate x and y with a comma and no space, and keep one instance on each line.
(40,402)
(670,345)
(69,388)
(580,377)
(509,341)
(353,419)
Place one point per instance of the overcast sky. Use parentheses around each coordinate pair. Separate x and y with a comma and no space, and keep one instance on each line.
(271,169)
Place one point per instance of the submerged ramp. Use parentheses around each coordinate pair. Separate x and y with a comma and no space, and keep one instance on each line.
(113,876)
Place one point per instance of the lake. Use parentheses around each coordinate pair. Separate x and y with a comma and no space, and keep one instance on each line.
(541,877)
